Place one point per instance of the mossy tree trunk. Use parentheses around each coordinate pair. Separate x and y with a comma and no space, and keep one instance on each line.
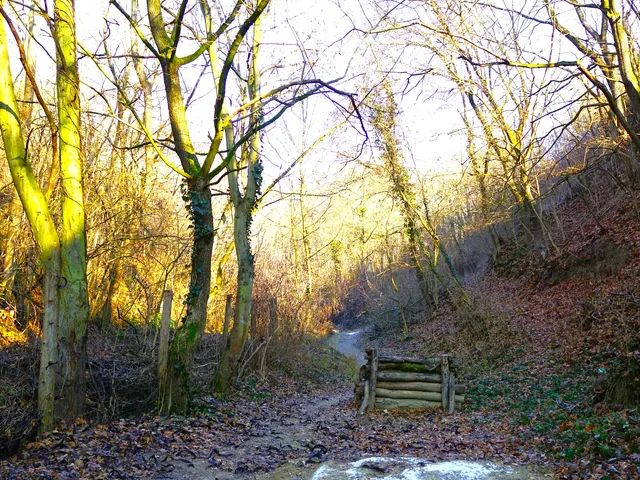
(42,227)
(244,203)
(173,398)
(74,302)
(174,393)
(384,122)
(242,314)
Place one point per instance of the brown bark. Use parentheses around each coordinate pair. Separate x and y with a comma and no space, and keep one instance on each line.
(175,396)
(405,404)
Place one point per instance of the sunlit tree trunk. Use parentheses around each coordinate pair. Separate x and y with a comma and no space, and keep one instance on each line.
(74,303)
(304,234)
(294,245)
(243,205)
(120,138)
(8,243)
(147,92)
(8,246)
(43,228)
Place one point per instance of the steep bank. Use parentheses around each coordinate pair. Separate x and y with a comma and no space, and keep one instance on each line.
(550,346)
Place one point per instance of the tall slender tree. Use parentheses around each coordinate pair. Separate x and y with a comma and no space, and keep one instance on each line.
(74,301)
(244,202)
(42,226)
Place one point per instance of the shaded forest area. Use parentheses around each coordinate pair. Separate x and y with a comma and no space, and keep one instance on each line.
(195,195)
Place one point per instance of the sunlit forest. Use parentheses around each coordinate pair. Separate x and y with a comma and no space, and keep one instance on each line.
(213,213)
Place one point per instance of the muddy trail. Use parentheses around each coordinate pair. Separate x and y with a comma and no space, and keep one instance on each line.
(280,430)
(288,434)
(321,437)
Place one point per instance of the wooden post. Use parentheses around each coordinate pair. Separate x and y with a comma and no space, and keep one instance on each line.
(444,359)
(228,313)
(163,347)
(452,392)
(373,378)
(273,317)
(365,400)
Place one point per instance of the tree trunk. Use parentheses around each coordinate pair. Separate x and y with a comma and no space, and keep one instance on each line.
(305,241)
(228,313)
(8,243)
(243,204)
(147,92)
(241,320)
(114,278)
(175,395)
(49,342)
(43,228)
(163,346)
(74,302)
(273,317)
(9,266)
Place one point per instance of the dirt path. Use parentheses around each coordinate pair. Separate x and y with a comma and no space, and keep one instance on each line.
(289,432)
(286,431)
(294,439)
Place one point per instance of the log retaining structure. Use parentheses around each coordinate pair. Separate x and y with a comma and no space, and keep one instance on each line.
(393,382)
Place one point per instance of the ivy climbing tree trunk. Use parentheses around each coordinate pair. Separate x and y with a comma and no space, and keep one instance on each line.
(166,34)
(175,392)
(384,122)
(243,205)
(197,193)
(174,396)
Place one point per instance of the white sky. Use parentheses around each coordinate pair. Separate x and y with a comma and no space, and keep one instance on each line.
(427,120)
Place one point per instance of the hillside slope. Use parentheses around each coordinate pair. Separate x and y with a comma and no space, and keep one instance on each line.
(551,347)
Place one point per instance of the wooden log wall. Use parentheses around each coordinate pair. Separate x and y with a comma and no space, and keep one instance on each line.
(393,382)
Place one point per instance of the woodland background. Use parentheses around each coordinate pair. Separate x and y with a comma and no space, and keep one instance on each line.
(459,176)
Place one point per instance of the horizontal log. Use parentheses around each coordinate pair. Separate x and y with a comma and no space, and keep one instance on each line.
(418,361)
(408,377)
(409,367)
(418,386)
(432,361)
(401,359)
(359,395)
(409,394)
(402,404)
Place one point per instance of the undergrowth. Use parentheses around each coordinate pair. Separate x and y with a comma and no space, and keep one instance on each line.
(121,381)
(557,412)
(484,335)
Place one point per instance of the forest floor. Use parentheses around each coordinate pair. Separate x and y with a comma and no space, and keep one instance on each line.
(551,347)
(297,426)
(551,356)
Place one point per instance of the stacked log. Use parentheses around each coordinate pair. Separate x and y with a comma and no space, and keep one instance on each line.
(392,382)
